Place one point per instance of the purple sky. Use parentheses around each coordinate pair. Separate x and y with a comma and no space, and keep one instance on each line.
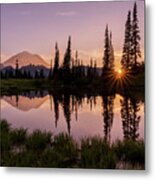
(36,27)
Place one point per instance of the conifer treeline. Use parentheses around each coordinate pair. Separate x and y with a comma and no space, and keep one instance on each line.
(72,68)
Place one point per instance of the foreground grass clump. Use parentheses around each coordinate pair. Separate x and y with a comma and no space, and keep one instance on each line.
(130,151)
(38,140)
(42,149)
(96,153)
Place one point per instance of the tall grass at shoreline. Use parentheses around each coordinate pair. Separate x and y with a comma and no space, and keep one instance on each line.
(42,149)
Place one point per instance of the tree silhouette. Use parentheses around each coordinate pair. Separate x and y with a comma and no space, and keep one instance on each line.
(76,58)
(29,74)
(127,48)
(2,75)
(36,74)
(95,69)
(106,58)
(67,110)
(17,69)
(67,57)
(107,103)
(112,58)
(50,71)
(56,108)
(75,66)
(42,74)
(136,53)
(56,62)
(130,119)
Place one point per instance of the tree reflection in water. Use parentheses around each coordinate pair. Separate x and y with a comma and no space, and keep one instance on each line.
(130,118)
(72,103)
(108,105)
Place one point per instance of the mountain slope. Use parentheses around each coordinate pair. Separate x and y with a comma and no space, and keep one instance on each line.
(25,58)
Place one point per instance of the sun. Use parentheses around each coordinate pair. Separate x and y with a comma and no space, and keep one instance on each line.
(119,71)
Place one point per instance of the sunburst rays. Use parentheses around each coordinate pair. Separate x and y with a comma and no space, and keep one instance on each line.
(119,79)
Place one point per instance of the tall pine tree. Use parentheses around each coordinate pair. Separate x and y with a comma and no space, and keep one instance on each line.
(112,58)
(126,60)
(106,58)
(17,69)
(136,53)
(50,71)
(56,61)
(76,58)
(67,57)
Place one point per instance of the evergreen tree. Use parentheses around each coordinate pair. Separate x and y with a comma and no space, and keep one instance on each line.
(10,73)
(25,74)
(76,58)
(95,69)
(67,57)
(90,70)
(67,111)
(56,61)
(75,67)
(108,115)
(29,74)
(56,108)
(82,69)
(2,75)
(73,63)
(6,73)
(106,58)
(36,76)
(42,74)
(126,54)
(136,53)
(112,58)
(130,118)
(17,69)
(50,71)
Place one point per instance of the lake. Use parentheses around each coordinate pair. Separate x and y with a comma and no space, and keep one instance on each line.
(111,117)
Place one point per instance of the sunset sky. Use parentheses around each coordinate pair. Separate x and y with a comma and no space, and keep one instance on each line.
(36,28)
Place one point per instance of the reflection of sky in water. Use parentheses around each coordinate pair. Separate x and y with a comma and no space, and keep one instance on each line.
(38,113)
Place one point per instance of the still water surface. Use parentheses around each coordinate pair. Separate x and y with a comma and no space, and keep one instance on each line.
(111,117)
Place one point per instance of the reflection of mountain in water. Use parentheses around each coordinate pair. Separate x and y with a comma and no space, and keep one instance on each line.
(27,101)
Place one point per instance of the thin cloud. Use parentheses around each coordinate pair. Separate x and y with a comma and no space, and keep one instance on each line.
(67,13)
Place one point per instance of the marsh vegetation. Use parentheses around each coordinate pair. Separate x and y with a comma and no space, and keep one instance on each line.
(43,149)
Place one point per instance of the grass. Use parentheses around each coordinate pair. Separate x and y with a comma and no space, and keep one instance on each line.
(42,149)
(38,140)
(130,151)
(18,85)
(96,153)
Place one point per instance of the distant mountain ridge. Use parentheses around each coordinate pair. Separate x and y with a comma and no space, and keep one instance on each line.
(31,63)
(24,59)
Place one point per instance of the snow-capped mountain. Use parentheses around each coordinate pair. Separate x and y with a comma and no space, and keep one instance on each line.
(25,58)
